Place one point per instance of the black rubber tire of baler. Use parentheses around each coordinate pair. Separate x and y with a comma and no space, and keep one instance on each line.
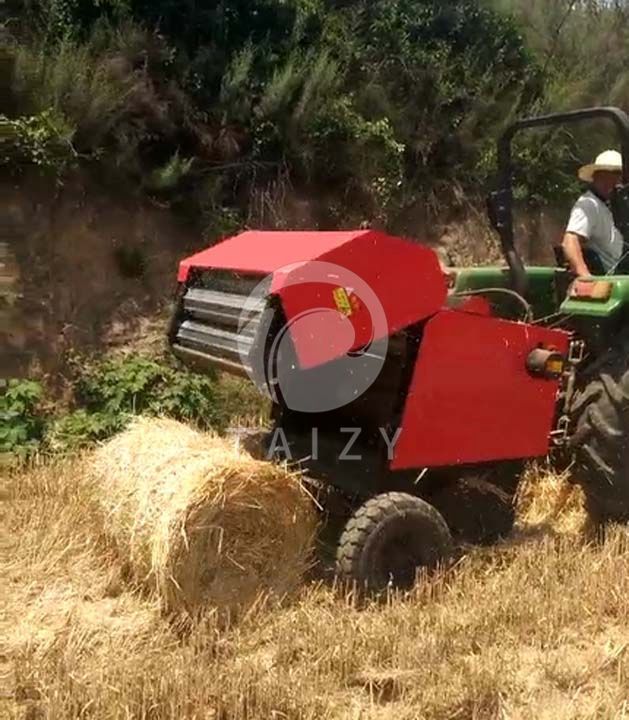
(600,415)
(376,522)
(479,506)
(476,516)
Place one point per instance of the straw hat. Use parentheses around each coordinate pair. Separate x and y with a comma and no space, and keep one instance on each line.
(610,160)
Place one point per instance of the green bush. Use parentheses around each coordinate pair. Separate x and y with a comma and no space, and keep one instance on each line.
(372,108)
(44,140)
(108,394)
(21,417)
(93,90)
(140,385)
(372,103)
(82,428)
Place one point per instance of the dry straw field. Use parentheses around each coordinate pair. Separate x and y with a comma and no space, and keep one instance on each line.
(535,628)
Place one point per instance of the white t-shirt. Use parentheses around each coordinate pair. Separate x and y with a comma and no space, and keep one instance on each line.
(592,219)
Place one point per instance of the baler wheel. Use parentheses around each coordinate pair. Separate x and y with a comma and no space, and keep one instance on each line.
(480,507)
(601,438)
(390,538)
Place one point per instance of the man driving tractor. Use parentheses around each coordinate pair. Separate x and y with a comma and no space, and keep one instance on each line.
(592,245)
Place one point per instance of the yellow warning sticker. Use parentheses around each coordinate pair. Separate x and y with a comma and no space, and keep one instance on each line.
(342,301)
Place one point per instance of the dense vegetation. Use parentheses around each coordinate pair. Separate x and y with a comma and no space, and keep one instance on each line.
(104,396)
(380,110)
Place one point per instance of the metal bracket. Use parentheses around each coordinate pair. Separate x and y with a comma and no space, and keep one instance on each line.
(576,352)
(559,436)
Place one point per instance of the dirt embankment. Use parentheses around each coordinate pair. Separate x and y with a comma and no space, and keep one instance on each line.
(85,264)
(81,266)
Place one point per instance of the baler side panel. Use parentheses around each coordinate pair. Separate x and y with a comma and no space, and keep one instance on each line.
(404,278)
(471,398)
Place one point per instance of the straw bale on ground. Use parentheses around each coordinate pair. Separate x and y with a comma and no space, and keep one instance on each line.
(198,521)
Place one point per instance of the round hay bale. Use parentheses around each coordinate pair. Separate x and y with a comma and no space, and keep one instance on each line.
(198,521)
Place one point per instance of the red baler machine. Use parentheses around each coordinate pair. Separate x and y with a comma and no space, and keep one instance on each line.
(379,375)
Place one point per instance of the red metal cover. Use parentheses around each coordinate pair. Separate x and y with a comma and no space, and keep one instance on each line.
(363,290)
(339,290)
(471,398)
(260,252)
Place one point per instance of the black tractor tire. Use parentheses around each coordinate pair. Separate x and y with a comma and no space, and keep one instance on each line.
(600,415)
(388,539)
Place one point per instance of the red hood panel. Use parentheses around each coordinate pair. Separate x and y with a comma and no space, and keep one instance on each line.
(339,290)
(261,252)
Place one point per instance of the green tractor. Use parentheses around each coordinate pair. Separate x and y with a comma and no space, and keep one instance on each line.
(593,416)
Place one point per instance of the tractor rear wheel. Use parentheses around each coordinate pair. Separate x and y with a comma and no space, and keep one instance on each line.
(389,538)
(601,438)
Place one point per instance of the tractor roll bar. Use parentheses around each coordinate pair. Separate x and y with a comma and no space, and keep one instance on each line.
(501,201)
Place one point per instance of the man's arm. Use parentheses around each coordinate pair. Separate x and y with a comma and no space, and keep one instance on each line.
(579,229)
(573,253)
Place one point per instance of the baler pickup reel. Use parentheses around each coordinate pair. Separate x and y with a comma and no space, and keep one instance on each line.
(209,328)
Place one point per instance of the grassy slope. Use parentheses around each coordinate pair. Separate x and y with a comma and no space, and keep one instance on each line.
(534,628)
